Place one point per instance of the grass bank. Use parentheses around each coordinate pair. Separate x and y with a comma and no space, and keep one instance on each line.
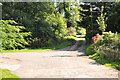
(5,73)
(62,44)
(95,56)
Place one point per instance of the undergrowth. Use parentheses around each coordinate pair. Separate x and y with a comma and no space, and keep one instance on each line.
(95,56)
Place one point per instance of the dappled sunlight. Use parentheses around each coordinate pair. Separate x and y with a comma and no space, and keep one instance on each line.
(60,39)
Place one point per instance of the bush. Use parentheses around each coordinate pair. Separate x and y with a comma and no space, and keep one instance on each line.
(107,39)
(36,42)
(13,36)
(71,31)
(110,38)
(94,38)
(81,30)
(95,55)
(105,47)
(89,49)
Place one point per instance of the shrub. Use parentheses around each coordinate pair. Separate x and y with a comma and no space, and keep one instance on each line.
(71,31)
(110,38)
(94,38)
(13,36)
(35,43)
(81,30)
(105,49)
(107,39)
(107,45)
(89,50)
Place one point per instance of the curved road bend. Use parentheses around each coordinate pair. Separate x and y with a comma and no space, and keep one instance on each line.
(62,63)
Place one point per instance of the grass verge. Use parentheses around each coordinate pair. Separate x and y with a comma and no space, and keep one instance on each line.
(95,56)
(5,73)
(63,44)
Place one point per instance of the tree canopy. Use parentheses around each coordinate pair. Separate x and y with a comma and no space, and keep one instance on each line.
(51,22)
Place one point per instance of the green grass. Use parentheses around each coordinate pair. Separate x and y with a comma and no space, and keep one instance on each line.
(95,56)
(60,46)
(5,73)
(104,61)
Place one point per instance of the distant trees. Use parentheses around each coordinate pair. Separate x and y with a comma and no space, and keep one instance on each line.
(72,12)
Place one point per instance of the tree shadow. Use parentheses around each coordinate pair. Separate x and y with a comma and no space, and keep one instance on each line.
(94,63)
(62,56)
(81,55)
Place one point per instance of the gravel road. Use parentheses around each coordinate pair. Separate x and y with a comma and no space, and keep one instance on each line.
(70,62)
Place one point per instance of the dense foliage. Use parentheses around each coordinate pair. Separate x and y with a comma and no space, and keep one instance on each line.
(114,18)
(105,49)
(101,21)
(111,11)
(13,36)
(51,22)
(33,16)
(48,22)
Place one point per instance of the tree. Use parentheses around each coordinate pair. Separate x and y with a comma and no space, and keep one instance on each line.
(41,19)
(101,20)
(13,36)
(114,18)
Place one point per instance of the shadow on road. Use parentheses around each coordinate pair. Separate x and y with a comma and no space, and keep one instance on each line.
(75,49)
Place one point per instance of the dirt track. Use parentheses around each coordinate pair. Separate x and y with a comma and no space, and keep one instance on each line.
(63,63)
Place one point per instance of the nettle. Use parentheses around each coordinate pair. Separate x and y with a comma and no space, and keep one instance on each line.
(13,36)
